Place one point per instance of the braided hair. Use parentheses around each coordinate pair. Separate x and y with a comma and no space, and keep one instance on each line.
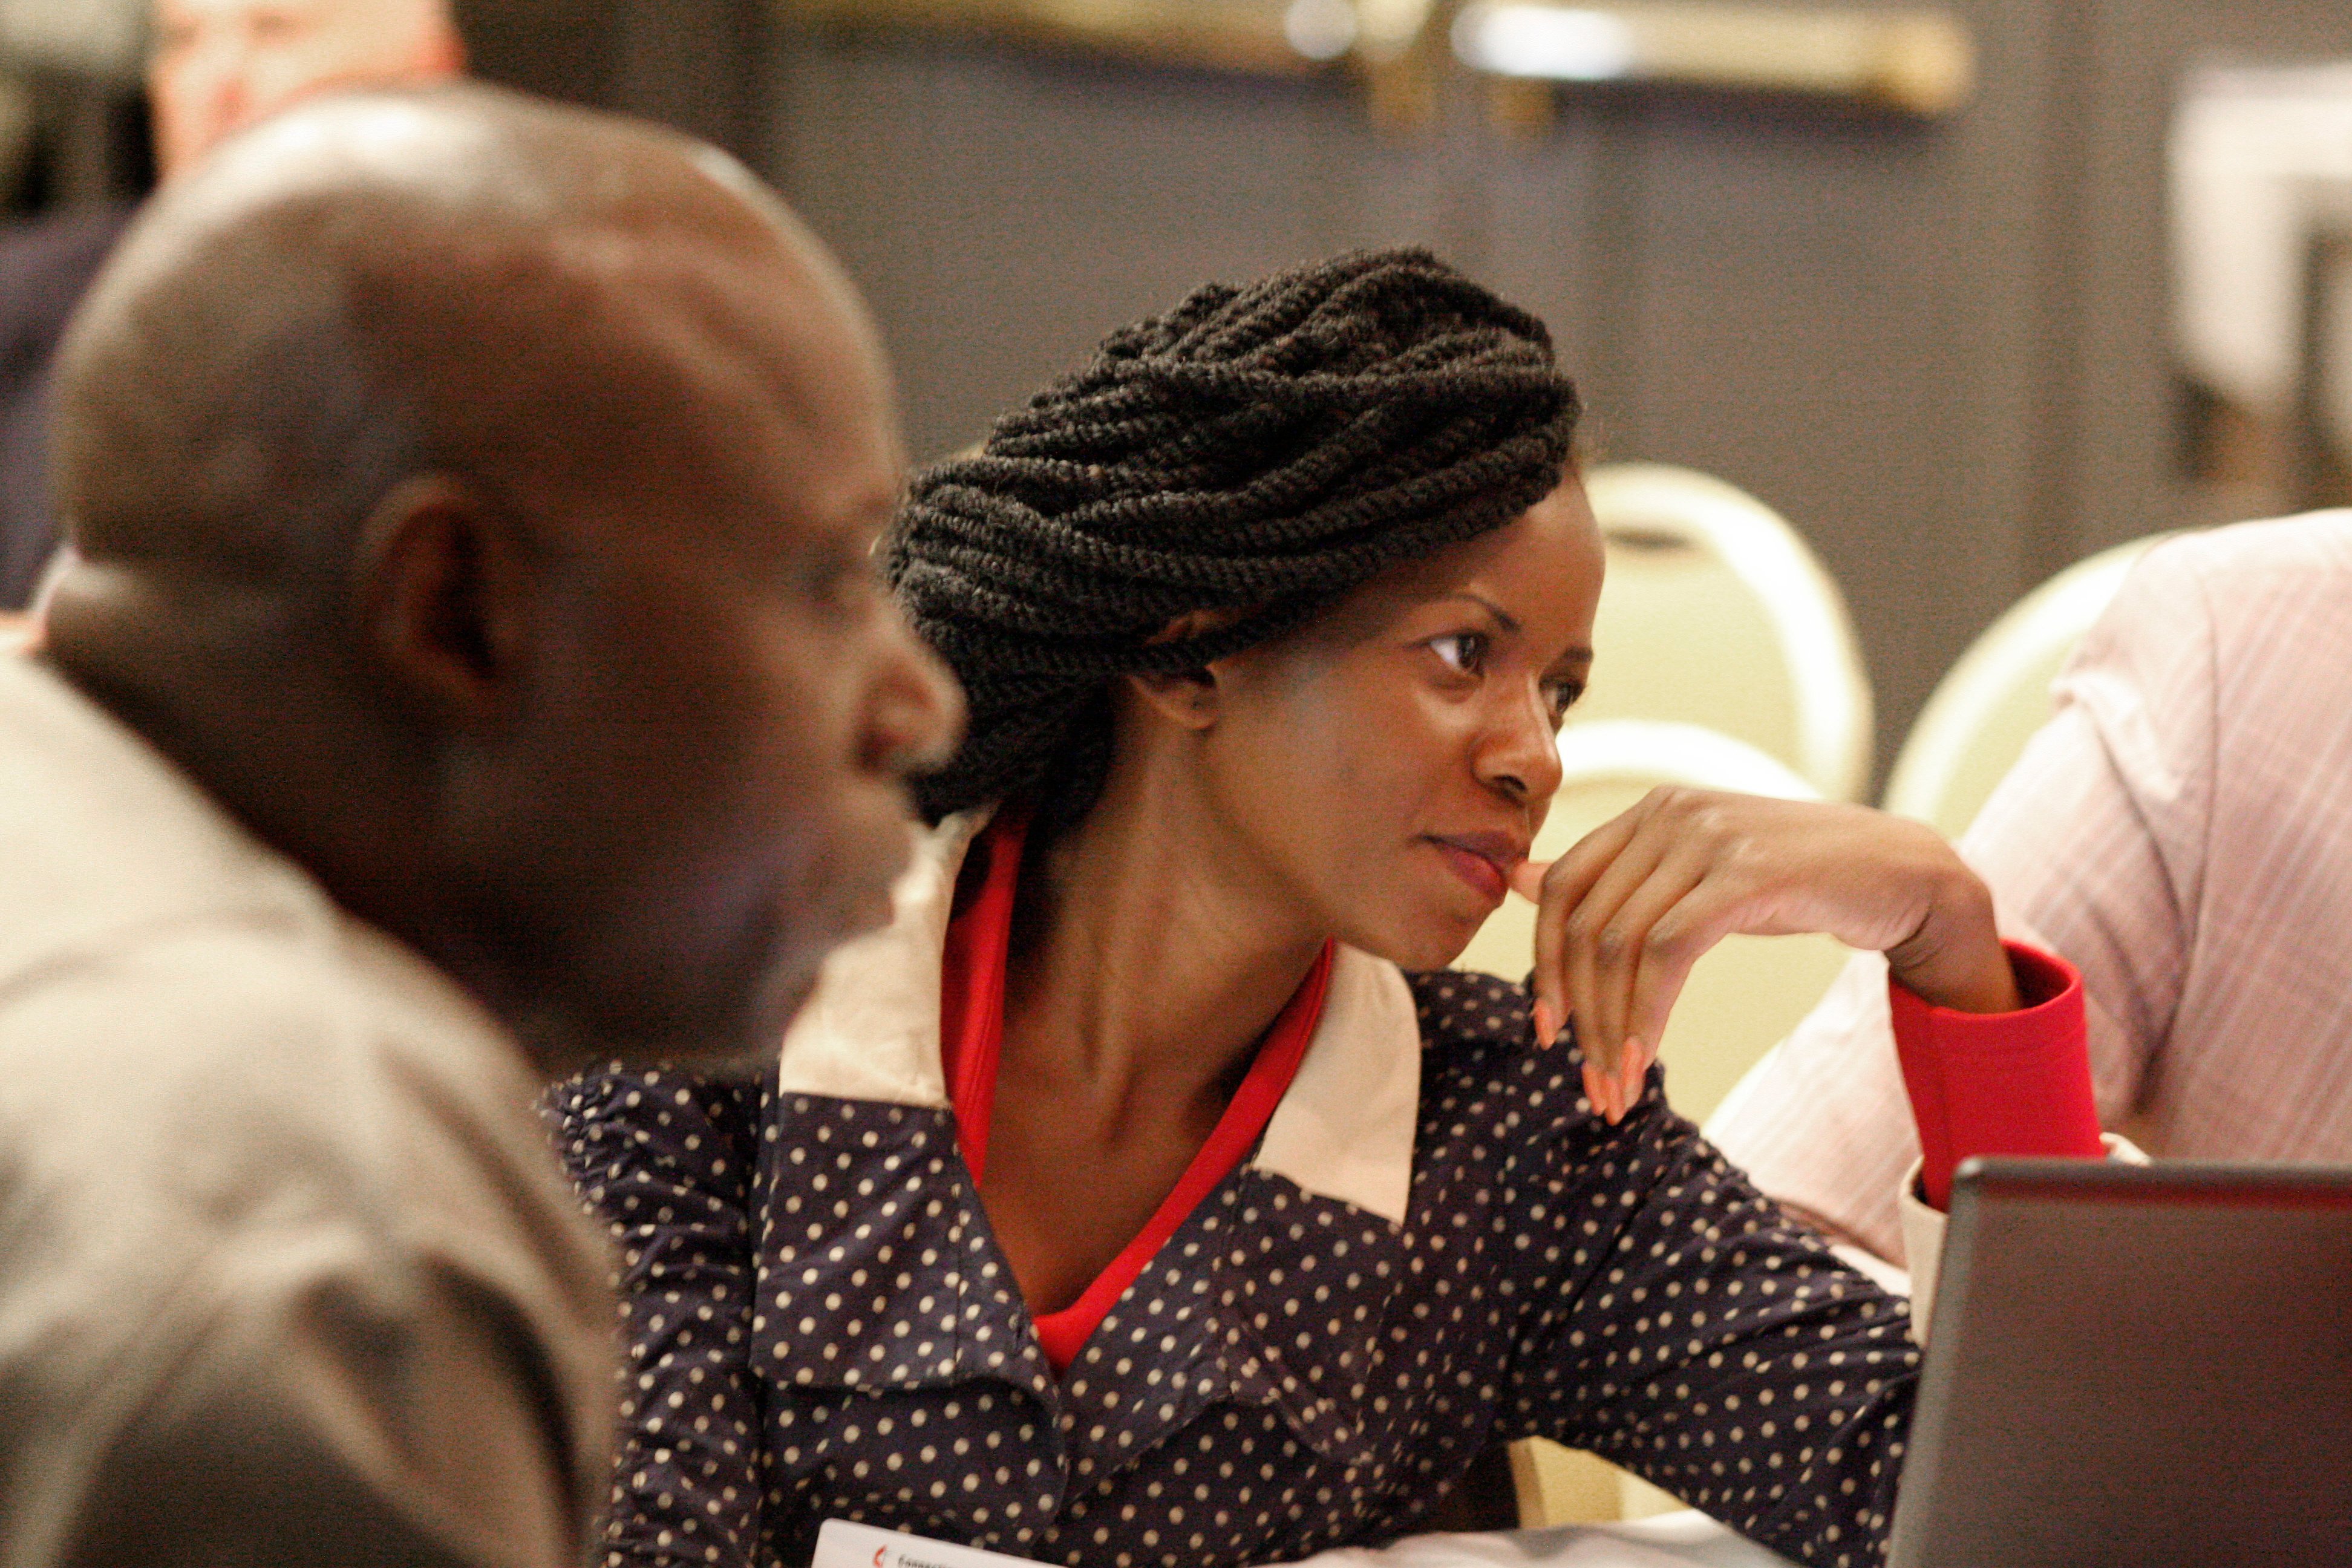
(1257,451)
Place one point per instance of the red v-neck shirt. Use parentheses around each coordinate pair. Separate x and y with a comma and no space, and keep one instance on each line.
(972,1040)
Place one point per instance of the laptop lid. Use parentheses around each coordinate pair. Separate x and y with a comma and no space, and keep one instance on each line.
(2145,1365)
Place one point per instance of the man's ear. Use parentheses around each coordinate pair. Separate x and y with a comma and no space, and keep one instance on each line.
(443,588)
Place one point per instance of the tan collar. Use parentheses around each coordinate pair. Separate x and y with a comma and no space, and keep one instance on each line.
(1344,1130)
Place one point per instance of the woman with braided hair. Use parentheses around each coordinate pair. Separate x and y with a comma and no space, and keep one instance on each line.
(1149,1193)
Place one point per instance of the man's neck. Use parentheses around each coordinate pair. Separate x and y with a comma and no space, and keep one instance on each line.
(277,751)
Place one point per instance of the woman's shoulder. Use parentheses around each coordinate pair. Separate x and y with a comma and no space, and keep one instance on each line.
(1478,1040)
(1461,1010)
(1483,1076)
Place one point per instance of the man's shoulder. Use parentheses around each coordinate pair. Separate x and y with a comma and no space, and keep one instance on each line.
(221,1111)
(186,1016)
(250,1160)
(250,1044)
(2248,568)
(102,839)
(2258,613)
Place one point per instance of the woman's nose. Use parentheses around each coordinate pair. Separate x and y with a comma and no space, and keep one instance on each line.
(1520,754)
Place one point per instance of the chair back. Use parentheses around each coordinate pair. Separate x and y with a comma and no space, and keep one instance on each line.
(1741,996)
(1984,711)
(1715,612)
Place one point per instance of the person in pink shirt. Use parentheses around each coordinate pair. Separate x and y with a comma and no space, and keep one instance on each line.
(2181,832)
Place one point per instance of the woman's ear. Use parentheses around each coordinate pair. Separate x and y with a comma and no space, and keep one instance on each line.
(1188,698)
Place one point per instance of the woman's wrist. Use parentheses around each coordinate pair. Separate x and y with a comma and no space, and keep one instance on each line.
(1956,958)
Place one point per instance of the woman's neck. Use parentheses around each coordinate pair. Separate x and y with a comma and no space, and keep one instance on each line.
(1152,950)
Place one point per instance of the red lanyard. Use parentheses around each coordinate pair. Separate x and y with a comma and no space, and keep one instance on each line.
(972,1034)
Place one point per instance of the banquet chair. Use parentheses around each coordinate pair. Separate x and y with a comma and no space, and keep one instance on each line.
(1715,612)
(1740,998)
(1987,705)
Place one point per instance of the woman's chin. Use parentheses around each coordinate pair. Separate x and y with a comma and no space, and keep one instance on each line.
(1433,941)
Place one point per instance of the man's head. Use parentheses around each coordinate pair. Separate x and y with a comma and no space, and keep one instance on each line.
(220,65)
(477,496)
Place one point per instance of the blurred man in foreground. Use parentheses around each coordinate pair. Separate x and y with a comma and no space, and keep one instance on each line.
(217,65)
(473,668)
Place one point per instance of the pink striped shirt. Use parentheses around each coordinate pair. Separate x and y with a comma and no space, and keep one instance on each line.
(2181,831)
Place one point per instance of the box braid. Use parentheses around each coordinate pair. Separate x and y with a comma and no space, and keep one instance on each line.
(1257,451)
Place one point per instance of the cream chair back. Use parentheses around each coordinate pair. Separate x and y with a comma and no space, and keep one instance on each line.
(1717,613)
(1984,711)
(1747,992)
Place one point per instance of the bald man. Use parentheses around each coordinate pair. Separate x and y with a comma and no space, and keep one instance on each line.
(473,668)
(217,66)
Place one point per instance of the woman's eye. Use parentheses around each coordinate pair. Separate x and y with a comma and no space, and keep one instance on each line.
(1464,652)
(1561,695)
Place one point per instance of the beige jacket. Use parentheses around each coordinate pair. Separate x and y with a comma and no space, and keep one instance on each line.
(288,1274)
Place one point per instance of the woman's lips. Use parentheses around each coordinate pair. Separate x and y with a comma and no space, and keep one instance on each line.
(1484,868)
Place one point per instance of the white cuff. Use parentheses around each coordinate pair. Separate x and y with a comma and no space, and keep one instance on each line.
(1923,1232)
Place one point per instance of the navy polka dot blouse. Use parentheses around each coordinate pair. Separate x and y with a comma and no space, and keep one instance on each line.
(819,1324)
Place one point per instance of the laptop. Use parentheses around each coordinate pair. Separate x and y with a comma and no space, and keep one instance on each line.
(2142,1365)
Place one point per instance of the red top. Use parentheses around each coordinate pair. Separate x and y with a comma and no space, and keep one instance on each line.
(971,1036)
(1999,1083)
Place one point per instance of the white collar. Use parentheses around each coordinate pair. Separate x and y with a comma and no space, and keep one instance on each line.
(1344,1130)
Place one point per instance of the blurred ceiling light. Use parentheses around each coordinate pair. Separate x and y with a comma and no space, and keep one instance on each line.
(1920,62)
(1384,43)
(1390,26)
(1543,41)
(1320,29)
(1277,37)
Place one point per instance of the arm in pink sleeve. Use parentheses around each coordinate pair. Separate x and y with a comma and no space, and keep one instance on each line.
(2096,842)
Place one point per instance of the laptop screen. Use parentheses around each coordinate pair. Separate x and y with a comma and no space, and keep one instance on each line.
(2146,1365)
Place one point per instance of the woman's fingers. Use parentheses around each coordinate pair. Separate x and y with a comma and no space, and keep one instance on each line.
(1623,917)
(1586,958)
(1637,1067)
(1563,884)
(1653,983)
(1618,929)
(1595,945)
(1549,1007)
(1601,1091)
(1720,902)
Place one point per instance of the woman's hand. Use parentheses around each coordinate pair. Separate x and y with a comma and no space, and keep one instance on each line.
(1625,913)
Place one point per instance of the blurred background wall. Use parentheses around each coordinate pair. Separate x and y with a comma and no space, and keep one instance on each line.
(1940,347)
